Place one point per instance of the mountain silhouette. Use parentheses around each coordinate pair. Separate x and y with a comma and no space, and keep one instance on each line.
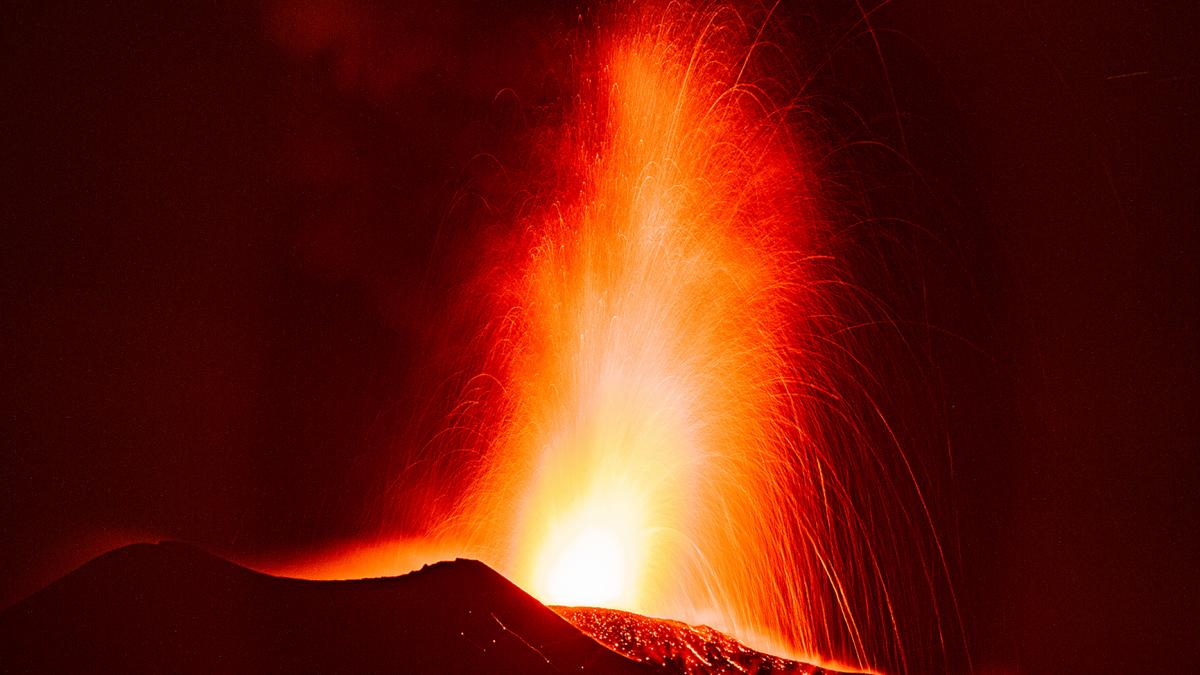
(170,607)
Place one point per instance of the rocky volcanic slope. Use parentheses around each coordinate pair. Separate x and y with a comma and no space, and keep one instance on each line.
(172,608)
(169,607)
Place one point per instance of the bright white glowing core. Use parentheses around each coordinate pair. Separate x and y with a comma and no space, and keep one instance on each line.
(589,570)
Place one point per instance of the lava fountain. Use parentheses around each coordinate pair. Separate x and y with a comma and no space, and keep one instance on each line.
(680,428)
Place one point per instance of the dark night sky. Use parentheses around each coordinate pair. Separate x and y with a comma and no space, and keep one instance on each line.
(227,243)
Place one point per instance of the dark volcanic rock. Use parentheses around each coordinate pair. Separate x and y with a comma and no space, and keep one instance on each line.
(172,608)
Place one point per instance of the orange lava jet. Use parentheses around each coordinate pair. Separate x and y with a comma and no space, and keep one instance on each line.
(675,436)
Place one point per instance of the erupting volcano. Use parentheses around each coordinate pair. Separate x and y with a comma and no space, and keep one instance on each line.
(685,337)
(673,417)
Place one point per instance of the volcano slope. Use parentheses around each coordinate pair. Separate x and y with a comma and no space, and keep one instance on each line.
(169,607)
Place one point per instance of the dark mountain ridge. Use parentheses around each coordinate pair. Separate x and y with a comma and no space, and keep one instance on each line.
(169,607)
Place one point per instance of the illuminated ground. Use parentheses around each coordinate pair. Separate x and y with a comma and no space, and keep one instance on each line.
(677,647)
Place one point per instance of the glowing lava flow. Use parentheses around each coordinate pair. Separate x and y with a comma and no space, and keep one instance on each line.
(672,439)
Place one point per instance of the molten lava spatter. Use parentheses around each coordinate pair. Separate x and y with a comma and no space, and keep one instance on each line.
(676,647)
